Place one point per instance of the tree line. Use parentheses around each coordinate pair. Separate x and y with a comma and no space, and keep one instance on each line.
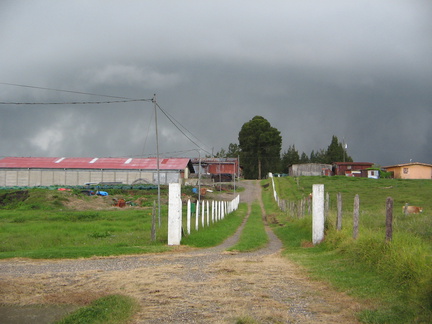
(259,148)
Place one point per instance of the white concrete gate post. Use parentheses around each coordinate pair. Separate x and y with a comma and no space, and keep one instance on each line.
(317,213)
(174,214)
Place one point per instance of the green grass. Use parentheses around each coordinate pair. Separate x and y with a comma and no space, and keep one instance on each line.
(372,192)
(253,236)
(217,232)
(112,309)
(31,226)
(395,278)
(73,234)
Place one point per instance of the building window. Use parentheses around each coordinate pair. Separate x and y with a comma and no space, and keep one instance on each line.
(405,170)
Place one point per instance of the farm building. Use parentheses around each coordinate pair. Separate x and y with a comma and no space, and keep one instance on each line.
(373,173)
(217,166)
(414,170)
(310,169)
(46,171)
(351,169)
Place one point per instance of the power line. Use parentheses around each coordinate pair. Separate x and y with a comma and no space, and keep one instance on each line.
(123,100)
(181,131)
(62,90)
(72,102)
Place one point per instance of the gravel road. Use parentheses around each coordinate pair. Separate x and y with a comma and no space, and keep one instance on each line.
(185,286)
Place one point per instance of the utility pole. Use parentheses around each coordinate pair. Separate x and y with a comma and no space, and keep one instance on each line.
(157,160)
(199,176)
(344,148)
(199,173)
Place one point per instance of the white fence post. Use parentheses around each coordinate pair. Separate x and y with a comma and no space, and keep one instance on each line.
(188,216)
(203,214)
(213,212)
(197,207)
(174,214)
(317,213)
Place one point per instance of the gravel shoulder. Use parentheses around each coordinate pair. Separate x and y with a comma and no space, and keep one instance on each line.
(186,286)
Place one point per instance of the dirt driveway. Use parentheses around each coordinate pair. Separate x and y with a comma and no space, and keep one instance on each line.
(186,286)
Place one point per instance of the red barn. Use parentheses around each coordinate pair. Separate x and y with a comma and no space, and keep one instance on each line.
(217,166)
(351,169)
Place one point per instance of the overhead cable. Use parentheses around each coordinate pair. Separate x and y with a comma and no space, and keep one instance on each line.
(73,102)
(61,90)
(181,131)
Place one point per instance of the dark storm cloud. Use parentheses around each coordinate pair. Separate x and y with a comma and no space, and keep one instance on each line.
(359,70)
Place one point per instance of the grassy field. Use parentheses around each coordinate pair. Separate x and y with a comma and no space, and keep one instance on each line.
(395,277)
(42,223)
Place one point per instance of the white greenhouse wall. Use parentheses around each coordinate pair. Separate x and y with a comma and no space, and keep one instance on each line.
(48,177)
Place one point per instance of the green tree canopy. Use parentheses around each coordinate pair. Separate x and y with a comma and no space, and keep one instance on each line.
(336,152)
(318,156)
(290,157)
(233,152)
(304,158)
(260,145)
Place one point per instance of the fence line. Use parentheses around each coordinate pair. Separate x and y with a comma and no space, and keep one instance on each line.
(209,213)
(297,208)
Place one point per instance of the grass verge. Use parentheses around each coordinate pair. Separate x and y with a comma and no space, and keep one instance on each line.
(217,232)
(253,236)
(112,309)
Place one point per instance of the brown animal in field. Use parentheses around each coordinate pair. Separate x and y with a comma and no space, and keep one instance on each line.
(412,209)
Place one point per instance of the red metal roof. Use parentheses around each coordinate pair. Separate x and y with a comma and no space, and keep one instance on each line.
(93,163)
(353,163)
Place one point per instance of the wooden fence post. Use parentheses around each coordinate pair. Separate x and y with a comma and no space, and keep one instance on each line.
(405,209)
(301,213)
(339,212)
(356,216)
(327,205)
(153,226)
(389,219)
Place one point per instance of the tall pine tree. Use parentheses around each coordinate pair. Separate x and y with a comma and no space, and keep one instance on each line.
(260,146)
(336,152)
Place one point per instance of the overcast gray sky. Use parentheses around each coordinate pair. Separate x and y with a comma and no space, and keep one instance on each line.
(360,70)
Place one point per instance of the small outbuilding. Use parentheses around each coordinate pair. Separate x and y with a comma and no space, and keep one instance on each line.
(414,170)
(373,173)
(310,169)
